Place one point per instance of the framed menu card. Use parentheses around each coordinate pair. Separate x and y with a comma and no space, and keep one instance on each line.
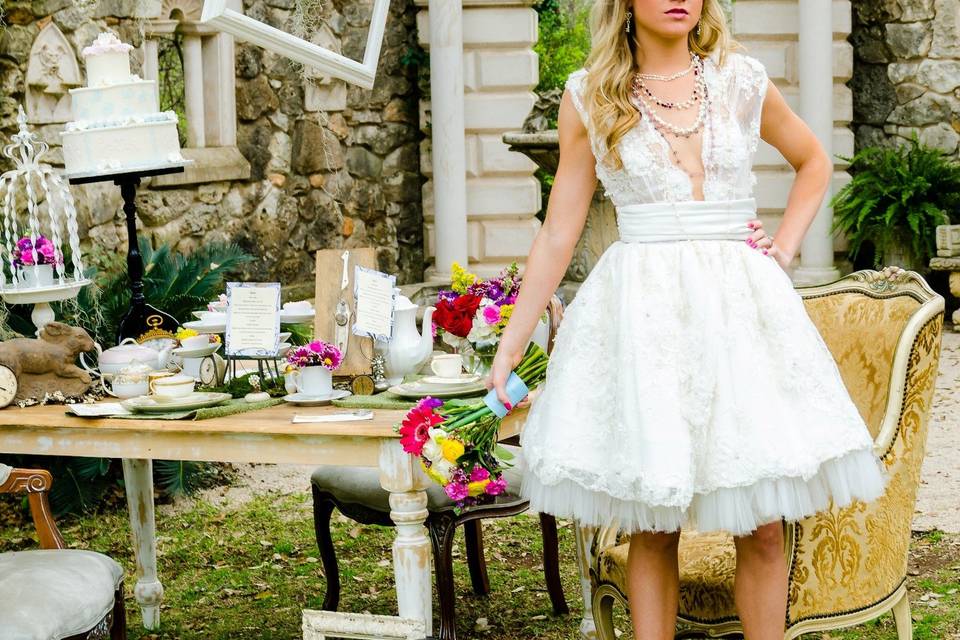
(253,319)
(375,295)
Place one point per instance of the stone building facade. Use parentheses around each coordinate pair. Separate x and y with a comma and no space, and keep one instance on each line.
(285,165)
(906,76)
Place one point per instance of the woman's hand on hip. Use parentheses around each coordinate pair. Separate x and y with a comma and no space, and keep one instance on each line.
(763,243)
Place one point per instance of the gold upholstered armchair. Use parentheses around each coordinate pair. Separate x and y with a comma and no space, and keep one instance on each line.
(846,566)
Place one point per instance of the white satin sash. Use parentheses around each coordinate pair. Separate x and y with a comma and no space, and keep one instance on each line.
(689,220)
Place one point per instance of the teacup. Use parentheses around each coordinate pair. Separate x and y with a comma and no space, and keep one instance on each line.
(195,342)
(448,365)
(175,386)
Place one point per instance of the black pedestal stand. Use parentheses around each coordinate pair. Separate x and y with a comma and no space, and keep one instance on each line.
(143,321)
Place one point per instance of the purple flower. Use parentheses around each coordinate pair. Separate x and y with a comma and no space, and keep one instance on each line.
(447,294)
(456,491)
(429,402)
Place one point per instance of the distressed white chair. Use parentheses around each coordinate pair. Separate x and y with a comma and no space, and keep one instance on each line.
(56,593)
(846,566)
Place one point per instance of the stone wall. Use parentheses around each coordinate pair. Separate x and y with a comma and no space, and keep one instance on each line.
(330,165)
(906,76)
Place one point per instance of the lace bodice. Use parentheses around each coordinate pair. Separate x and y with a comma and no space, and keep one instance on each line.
(730,137)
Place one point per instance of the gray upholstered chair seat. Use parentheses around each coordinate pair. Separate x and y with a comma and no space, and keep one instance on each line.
(55,593)
(361,485)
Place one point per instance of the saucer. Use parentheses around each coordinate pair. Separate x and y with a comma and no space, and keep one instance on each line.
(315,401)
(195,400)
(204,327)
(463,378)
(415,390)
(202,352)
(293,317)
(283,349)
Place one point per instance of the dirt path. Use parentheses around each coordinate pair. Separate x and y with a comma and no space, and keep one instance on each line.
(937,503)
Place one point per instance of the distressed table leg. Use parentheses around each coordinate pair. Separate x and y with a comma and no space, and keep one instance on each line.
(412,564)
(583,540)
(138,481)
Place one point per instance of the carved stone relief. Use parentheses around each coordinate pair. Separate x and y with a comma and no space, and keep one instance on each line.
(51,73)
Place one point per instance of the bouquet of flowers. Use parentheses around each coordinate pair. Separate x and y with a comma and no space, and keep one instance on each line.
(317,353)
(456,440)
(473,313)
(45,252)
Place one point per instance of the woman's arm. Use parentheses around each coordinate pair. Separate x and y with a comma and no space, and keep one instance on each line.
(553,246)
(786,131)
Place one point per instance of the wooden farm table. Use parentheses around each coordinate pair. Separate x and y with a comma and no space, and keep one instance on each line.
(265,436)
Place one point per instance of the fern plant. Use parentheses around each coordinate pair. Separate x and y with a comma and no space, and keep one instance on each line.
(896,199)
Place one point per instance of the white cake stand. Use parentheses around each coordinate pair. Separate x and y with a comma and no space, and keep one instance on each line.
(41,297)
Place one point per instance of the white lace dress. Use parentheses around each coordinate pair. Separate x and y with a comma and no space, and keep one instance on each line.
(687,386)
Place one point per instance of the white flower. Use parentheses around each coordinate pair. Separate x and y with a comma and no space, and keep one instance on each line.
(444,467)
(450,339)
(432,451)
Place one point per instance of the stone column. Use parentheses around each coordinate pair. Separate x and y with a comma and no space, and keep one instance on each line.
(816,108)
(502,196)
(193,90)
(447,136)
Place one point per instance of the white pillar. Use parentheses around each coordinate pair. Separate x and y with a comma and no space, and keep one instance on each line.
(193,90)
(816,108)
(448,152)
(151,64)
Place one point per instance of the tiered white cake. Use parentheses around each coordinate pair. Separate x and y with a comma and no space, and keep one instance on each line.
(118,125)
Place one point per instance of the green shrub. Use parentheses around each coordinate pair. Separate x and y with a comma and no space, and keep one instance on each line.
(563,43)
(896,199)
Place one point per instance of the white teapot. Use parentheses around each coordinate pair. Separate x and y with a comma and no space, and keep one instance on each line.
(111,361)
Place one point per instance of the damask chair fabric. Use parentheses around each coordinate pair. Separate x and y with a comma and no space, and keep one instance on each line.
(55,593)
(846,565)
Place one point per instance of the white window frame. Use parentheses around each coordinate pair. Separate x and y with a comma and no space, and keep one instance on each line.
(217,14)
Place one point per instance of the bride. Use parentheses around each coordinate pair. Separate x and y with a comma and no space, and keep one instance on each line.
(687,386)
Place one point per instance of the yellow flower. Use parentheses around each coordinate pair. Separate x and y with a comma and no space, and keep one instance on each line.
(475,489)
(505,312)
(460,278)
(433,475)
(452,449)
(183,334)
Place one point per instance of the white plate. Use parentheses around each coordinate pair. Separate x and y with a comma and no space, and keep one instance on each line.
(289,317)
(315,401)
(203,352)
(284,348)
(408,390)
(203,327)
(463,378)
(196,400)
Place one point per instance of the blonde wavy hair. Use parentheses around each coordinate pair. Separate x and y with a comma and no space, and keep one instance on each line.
(611,64)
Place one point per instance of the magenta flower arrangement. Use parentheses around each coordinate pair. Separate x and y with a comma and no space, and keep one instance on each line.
(46,253)
(317,353)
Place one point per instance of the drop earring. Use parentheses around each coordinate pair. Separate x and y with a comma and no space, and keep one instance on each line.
(626,24)
(698,28)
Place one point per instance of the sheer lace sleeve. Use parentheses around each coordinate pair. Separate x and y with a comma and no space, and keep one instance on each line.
(751,89)
(574,85)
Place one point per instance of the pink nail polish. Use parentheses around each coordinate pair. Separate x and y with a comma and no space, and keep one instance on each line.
(764,252)
(508,406)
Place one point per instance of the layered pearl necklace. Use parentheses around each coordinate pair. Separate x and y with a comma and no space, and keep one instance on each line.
(699,95)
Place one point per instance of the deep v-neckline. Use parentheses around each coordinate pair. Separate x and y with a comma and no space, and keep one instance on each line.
(706,135)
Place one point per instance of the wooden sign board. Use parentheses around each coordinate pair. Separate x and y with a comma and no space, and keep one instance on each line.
(329,270)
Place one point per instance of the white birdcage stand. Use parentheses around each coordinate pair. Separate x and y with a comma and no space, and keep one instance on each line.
(34,269)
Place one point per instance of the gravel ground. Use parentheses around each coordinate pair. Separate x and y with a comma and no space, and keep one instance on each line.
(937,504)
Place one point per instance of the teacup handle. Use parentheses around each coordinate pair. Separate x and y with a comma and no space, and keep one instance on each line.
(95,371)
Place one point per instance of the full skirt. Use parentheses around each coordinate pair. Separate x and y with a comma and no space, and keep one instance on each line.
(688,387)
